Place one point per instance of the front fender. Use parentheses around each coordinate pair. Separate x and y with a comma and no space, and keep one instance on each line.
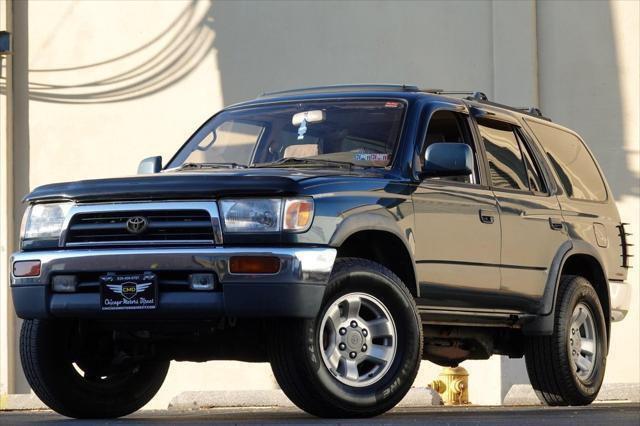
(380,219)
(373,218)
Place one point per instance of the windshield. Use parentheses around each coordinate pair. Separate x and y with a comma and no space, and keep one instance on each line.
(301,134)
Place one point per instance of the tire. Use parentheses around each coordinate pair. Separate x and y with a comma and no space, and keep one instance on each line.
(555,372)
(298,349)
(49,369)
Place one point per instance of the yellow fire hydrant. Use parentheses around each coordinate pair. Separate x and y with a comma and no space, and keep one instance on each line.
(453,385)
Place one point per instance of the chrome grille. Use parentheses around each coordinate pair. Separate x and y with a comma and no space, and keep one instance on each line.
(170,223)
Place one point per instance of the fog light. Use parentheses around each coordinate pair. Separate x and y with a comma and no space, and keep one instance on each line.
(201,282)
(26,268)
(64,283)
(254,265)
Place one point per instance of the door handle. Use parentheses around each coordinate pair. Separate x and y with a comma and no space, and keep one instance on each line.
(487,216)
(556,224)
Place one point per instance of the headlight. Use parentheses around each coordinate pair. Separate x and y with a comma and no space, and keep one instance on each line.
(44,221)
(266,214)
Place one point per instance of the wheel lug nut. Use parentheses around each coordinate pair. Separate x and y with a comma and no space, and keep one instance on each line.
(364,348)
(353,355)
(354,324)
(573,331)
(365,333)
(342,346)
(343,331)
(571,340)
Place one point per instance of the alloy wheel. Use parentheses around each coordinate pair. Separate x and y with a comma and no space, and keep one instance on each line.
(582,341)
(358,339)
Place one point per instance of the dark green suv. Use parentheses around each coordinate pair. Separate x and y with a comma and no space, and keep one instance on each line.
(342,234)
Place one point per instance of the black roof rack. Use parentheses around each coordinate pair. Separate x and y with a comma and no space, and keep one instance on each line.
(471,95)
(482,98)
(532,111)
(348,87)
(379,88)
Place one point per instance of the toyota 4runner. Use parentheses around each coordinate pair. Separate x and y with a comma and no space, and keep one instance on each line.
(342,234)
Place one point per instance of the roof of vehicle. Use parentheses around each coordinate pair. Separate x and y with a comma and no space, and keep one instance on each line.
(405,91)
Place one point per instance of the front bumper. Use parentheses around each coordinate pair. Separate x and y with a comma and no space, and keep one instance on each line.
(620,297)
(295,291)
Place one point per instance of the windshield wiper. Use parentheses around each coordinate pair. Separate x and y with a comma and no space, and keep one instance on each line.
(212,166)
(299,160)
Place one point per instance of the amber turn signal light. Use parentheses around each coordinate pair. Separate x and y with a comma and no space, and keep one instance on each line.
(26,268)
(298,214)
(254,265)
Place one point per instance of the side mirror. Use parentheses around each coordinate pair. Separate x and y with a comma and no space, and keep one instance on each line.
(150,165)
(447,159)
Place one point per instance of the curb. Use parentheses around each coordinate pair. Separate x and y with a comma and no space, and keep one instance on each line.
(21,401)
(610,392)
(194,400)
(416,397)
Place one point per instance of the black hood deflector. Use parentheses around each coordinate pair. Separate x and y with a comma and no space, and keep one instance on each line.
(166,186)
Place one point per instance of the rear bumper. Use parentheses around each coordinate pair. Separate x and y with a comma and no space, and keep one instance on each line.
(620,295)
(295,291)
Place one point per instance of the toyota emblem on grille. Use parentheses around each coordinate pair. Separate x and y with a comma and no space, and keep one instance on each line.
(137,224)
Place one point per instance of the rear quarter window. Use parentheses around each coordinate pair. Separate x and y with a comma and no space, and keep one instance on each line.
(572,162)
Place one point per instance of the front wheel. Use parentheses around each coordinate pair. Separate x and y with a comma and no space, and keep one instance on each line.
(567,368)
(81,378)
(360,356)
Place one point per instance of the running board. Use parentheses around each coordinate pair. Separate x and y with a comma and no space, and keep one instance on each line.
(474,318)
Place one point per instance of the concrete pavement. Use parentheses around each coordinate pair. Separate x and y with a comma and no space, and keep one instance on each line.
(597,414)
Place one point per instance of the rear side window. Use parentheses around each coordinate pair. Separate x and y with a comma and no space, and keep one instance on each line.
(506,165)
(572,162)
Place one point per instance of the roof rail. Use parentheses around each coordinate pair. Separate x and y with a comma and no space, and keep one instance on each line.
(532,111)
(476,96)
(471,95)
(348,87)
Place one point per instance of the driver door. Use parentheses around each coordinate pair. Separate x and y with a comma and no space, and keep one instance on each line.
(457,228)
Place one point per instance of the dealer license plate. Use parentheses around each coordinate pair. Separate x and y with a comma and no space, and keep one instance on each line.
(121,292)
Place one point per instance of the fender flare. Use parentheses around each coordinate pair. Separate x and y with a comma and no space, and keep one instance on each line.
(543,324)
(378,219)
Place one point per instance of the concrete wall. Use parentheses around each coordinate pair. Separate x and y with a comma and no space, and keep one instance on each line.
(112,82)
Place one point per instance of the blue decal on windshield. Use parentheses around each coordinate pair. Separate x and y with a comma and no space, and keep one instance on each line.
(371,157)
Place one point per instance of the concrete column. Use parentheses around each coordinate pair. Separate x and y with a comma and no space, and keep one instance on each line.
(515,53)
(14,180)
(6,216)
(515,82)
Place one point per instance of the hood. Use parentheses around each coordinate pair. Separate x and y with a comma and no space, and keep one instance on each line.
(185,185)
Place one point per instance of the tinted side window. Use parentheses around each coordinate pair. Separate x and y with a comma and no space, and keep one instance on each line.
(448,126)
(503,152)
(572,162)
(536,183)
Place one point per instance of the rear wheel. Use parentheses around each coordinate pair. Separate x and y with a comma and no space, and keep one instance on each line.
(87,385)
(359,357)
(567,368)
